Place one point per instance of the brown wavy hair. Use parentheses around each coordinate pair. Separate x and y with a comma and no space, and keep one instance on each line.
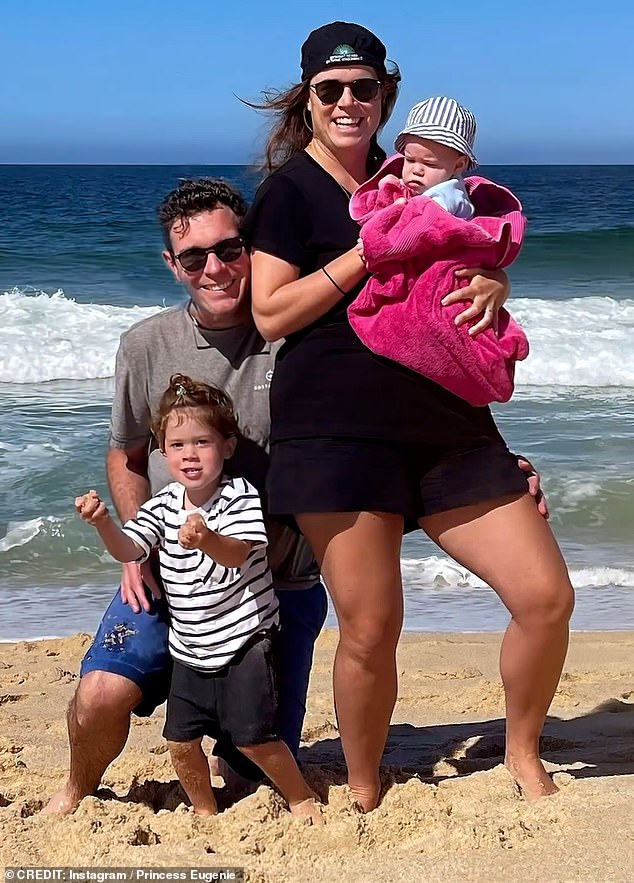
(183,395)
(194,196)
(290,133)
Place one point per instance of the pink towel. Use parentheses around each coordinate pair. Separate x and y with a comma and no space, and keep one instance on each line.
(412,247)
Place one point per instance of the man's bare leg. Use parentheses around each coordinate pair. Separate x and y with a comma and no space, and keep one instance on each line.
(236,786)
(98,725)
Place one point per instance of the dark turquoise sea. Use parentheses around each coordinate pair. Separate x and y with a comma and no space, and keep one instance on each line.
(80,262)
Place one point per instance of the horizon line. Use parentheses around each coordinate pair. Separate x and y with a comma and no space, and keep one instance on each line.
(255,166)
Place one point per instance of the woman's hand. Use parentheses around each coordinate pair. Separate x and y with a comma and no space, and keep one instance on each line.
(487,290)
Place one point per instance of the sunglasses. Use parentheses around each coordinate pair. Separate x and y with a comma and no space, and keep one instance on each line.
(330,91)
(194,259)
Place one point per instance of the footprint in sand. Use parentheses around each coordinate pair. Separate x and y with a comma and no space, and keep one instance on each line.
(11,697)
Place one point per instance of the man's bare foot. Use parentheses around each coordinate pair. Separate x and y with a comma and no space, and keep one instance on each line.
(310,809)
(531,777)
(366,797)
(63,802)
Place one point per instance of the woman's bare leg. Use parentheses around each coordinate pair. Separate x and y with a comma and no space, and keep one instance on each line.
(359,556)
(509,545)
(192,768)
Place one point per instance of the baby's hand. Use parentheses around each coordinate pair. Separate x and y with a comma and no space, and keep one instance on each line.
(192,534)
(91,508)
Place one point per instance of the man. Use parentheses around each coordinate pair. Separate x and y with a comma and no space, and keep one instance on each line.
(211,338)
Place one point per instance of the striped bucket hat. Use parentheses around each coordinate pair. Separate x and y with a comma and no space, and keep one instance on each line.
(442,120)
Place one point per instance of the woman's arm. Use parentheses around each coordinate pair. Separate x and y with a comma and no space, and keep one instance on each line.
(283,303)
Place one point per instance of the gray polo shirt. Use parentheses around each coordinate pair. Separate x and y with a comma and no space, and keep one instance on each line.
(237,360)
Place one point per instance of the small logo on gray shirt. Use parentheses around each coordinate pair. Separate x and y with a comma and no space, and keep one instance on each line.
(261,386)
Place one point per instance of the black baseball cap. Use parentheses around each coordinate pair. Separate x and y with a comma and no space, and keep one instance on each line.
(341,43)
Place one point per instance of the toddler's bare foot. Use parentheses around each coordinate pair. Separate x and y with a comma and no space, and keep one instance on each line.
(204,805)
(206,810)
(63,803)
(310,809)
(531,777)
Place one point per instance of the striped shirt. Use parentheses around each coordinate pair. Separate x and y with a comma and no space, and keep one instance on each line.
(214,609)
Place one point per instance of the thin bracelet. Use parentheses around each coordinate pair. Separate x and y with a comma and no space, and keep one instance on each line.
(338,287)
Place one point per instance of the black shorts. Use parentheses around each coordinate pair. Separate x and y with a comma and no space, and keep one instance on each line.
(238,701)
(361,475)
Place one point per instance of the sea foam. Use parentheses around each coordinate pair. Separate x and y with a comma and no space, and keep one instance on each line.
(44,544)
(440,572)
(583,341)
(52,337)
(579,342)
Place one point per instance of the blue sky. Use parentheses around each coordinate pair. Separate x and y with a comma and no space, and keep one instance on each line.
(150,81)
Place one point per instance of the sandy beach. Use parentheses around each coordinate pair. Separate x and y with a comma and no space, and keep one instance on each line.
(450,811)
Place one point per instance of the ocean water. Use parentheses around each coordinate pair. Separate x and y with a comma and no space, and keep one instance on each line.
(80,262)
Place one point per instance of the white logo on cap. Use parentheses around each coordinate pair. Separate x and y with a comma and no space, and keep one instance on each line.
(343,53)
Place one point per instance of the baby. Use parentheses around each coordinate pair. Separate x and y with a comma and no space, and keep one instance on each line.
(436,146)
(437,149)
(420,223)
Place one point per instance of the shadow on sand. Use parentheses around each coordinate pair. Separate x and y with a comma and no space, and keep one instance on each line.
(599,743)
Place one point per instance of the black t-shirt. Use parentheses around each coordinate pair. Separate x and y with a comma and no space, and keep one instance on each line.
(326,383)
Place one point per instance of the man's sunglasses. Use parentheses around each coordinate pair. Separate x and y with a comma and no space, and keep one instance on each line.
(330,91)
(194,259)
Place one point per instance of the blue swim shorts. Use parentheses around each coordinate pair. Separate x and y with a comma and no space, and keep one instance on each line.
(134,645)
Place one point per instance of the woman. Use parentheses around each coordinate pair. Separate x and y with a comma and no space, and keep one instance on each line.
(359,444)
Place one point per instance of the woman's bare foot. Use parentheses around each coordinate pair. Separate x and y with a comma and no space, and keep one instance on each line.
(63,803)
(366,797)
(310,809)
(531,777)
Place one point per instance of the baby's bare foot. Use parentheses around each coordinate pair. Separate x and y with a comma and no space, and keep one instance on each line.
(310,809)
(531,777)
